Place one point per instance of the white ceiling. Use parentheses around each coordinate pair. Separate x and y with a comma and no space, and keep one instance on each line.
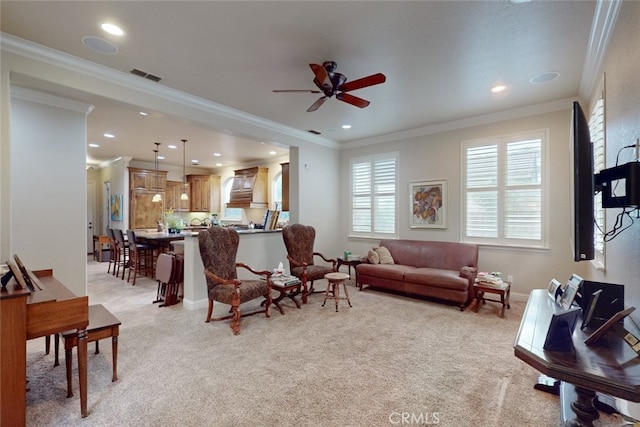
(440,58)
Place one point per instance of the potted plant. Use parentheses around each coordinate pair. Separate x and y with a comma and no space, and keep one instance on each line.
(174,222)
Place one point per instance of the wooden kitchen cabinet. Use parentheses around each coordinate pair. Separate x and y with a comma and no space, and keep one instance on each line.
(215,194)
(200,198)
(250,188)
(173,194)
(145,179)
(143,213)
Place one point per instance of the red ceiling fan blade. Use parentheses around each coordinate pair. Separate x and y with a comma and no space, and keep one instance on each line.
(297,90)
(317,104)
(374,79)
(353,100)
(322,79)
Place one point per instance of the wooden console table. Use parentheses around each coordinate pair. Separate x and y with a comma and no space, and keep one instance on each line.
(25,315)
(610,366)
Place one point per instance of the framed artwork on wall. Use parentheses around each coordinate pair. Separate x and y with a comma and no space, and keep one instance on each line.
(116,207)
(428,204)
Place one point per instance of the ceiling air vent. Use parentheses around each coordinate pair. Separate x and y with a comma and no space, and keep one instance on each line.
(315,132)
(145,75)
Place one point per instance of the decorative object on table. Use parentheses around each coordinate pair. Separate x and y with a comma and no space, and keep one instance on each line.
(428,204)
(570,291)
(560,332)
(615,319)
(116,207)
(174,222)
(554,289)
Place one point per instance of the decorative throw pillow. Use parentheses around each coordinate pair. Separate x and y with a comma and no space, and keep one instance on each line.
(373,257)
(385,255)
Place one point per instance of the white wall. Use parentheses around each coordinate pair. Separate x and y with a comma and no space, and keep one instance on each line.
(48,207)
(622,103)
(437,156)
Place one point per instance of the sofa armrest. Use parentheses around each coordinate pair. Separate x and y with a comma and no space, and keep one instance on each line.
(470,273)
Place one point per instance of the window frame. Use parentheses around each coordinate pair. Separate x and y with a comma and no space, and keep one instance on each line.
(502,142)
(371,159)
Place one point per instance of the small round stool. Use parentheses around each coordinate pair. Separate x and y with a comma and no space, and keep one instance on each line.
(334,280)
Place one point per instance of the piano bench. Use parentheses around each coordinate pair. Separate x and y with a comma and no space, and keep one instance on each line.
(102,324)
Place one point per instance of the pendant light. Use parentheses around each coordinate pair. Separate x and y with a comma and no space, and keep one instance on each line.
(184,195)
(156,197)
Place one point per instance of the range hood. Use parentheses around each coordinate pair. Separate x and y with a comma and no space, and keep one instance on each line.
(250,189)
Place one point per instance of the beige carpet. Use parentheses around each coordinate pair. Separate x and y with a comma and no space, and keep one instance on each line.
(367,365)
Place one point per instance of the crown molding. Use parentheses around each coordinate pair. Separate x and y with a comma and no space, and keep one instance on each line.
(514,113)
(51,100)
(604,21)
(34,51)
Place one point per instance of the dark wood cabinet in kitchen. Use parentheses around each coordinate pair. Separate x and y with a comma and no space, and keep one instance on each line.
(250,188)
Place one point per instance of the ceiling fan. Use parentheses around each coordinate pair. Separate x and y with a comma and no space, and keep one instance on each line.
(332,83)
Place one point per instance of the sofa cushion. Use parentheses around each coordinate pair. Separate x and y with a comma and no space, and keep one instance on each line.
(436,277)
(384,271)
(385,255)
(373,257)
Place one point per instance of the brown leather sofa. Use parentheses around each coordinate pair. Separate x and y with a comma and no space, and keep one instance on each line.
(442,270)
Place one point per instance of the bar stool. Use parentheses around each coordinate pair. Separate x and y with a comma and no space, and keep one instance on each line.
(140,257)
(113,251)
(334,280)
(123,251)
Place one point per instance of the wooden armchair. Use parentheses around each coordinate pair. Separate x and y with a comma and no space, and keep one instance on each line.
(218,249)
(299,240)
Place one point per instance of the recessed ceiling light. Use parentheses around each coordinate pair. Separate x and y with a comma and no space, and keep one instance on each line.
(218,164)
(99,45)
(112,29)
(160,157)
(172,146)
(217,154)
(94,145)
(498,88)
(544,77)
(272,153)
(346,126)
(142,113)
(109,135)
(195,162)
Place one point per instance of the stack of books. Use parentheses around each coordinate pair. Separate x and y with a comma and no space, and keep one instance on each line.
(284,280)
(489,279)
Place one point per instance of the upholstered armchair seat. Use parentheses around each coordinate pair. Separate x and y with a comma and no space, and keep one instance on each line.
(218,249)
(247,290)
(314,272)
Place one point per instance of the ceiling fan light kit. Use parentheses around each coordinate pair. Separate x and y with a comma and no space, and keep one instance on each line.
(333,83)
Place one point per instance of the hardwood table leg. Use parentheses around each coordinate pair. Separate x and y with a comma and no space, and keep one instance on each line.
(82,370)
(114,351)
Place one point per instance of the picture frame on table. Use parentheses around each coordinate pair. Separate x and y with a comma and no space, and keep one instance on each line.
(560,333)
(555,289)
(569,294)
(428,207)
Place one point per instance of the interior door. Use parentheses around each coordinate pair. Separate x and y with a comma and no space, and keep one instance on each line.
(91,214)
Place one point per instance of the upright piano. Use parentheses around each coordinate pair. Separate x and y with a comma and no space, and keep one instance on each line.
(25,315)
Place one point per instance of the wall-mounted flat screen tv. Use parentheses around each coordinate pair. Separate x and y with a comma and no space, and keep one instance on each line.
(583,187)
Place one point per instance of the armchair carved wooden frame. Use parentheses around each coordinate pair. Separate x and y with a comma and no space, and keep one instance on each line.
(218,248)
(299,240)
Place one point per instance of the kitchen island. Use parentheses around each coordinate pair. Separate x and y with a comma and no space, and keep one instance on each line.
(260,249)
